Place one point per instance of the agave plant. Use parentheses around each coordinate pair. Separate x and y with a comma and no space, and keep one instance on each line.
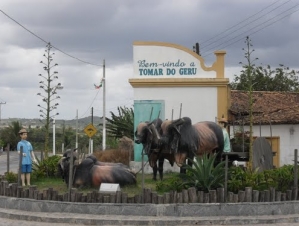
(46,167)
(204,174)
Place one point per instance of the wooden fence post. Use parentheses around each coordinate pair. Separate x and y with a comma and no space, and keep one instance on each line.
(248,194)
(70,175)
(8,157)
(225,178)
(296,169)
(20,166)
(192,195)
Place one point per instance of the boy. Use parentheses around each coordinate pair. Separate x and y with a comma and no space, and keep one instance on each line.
(27,158)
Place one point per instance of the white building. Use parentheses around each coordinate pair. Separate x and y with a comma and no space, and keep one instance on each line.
(275,116)
(171,81)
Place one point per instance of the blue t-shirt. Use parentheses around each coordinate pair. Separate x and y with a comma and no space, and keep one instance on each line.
(27,149)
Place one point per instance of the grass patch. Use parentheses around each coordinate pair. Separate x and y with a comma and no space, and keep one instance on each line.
(58,185)
(132,190)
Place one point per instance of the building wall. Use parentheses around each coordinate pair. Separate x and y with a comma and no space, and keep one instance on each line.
(167,60)
(288,140)
(200,104)
(179,78)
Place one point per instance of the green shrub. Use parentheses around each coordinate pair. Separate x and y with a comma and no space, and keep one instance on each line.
(173,183)
(240,178)
(46,168)
(281,178)
(203,174)
(11,177)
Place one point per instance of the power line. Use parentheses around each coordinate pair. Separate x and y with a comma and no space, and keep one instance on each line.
(250,22)
(98,65)
(255,28)
(127,103)
(58,49)
(91,104)
(43,40)
(224,31)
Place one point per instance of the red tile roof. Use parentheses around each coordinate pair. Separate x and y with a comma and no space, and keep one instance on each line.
(277,107)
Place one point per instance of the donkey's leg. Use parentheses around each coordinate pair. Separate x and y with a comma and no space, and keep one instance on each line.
(155,169)
(183,167)
(183,170)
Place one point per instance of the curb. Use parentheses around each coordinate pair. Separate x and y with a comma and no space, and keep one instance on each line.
(87,219)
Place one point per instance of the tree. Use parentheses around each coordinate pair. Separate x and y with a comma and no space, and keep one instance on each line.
(266,79)
(247,82)
(49,96)
(262,78)
(122,124)
(10,135)
(2,143)
(37,138)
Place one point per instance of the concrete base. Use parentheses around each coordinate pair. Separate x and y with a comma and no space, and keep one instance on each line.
(179,210)
(167,168)
(27,218)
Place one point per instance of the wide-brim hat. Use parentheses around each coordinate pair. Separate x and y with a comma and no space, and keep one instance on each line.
(222,120)
(23,131)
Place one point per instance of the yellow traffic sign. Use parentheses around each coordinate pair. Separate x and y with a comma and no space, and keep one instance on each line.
(90,130)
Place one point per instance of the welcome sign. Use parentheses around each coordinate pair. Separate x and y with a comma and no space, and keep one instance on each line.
(164,60)
(167,68)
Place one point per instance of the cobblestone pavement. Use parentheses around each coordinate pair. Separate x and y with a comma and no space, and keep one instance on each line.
(13,162)
(25,218)
(277,224)
(11,222)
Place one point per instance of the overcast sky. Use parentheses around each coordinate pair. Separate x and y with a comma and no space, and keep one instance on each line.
(93,30)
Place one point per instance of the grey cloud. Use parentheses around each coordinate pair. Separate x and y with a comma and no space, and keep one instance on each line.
(107,29)
(95,30)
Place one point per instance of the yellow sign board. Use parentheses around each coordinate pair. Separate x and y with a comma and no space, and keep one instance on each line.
(90,130)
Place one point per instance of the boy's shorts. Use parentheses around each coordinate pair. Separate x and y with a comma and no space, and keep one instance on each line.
(26,168)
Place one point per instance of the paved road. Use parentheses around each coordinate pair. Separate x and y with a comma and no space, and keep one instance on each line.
(17,217)
(9,222)
(13,162)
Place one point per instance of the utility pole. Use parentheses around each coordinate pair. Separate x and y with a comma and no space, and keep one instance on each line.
(63,137)
(77,129)
(104,108)
(90,139)
(54,135)
(92,115)
(196,48)
(0,109)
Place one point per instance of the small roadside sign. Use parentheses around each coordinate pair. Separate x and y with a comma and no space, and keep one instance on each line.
(90,130)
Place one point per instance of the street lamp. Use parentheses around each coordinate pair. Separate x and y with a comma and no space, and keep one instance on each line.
(54,135)
(0,109)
